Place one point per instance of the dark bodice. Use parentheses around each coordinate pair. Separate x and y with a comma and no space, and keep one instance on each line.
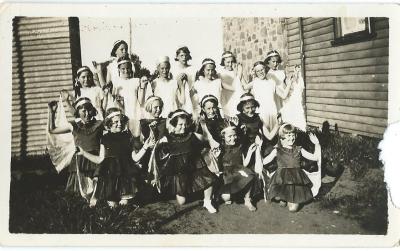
(118,145)
(88,135)
(288,158)
(231,158)
(253,126)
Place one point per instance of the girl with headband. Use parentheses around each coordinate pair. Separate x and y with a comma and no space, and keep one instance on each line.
(84,86)
(290,184)
(176,163)
(207,83)
(117,177)
(264,90)
(87,132)
(184,72)
(272,61)
(235,167)
(129,94)
(171,91)
(231,77)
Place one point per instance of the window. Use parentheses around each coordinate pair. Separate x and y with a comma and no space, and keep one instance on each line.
(353,30)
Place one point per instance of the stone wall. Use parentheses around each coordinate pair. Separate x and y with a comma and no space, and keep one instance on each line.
(250,39)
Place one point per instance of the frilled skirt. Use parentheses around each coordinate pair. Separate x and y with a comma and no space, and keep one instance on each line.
(117,179)
(291,185)
(235,182)
(86,171)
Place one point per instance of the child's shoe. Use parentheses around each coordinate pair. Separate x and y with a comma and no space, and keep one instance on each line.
(228,202)
(207,204)
(282,203)
(123,202)
(112,204)
(247,203)
(92,202)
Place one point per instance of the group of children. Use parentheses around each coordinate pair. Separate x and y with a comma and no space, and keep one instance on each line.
(183,131)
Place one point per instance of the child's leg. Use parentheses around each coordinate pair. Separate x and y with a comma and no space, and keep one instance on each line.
(247,201)
(293,207)
(180,199)
(93,199)
(227,198)
(207,200)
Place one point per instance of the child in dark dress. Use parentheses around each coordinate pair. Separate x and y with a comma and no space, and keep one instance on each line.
(176,162)
(234,163)
(87,132)
(118,173)
(290,184)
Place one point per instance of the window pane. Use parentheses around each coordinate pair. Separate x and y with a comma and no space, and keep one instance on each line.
(352,24)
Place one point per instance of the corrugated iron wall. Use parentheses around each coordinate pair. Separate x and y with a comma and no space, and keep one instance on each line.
(346,85)
(43,63)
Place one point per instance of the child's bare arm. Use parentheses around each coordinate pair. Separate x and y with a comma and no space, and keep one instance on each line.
(270,134)
(246,160)
(94,158)
(269,157)
(51,121)
(283,91)
(317,152)
(148,144)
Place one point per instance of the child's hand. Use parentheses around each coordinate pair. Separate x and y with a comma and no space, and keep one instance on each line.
(258,141)
(243,128)
(252,148)
(53,106)
(216,152)
(97,66)
(153,124)
(243,173)
(79,150)
(313,138)
(64,95)
(214,144)
(234,120)
(239,70)
(149,143)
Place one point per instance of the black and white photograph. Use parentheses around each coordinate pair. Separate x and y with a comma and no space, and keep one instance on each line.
(170,125)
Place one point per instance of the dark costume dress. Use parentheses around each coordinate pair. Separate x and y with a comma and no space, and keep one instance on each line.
(87,136)
(118,173)
(289,182)
(181,167)
(231,162)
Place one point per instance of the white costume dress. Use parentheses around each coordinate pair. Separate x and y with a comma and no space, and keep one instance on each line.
(278,76)
(230,99)
(292,110)
(128,90)
(167,91)
(204,87)
(96,96)
(264,92)
(190,72)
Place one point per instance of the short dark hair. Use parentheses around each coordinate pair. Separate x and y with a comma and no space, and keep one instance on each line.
(89,107)
(243,103)
(174,121)
(184,49)
(107,121)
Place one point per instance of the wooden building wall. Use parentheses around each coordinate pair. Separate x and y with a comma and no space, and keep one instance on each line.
(42,65)
(346,85)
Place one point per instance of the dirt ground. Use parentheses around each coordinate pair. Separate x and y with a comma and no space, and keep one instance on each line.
(269,218)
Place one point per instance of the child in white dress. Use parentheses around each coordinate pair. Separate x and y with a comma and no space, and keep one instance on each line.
(231,77)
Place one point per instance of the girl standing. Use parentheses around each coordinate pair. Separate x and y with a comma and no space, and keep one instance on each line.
(264,90)
(84,86)
(290,184)
(130,94)
(87,132)
(185,73)
(168,89)
(176,162)
(272,61)
(207,83)
(120,49)
(118,173)
(231,77)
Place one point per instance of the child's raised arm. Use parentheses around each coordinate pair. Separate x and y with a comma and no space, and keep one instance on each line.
(252,149)
(283,92)
(51,121)
(317,152)
(95,159)
(269,157)
(270,134)
(148,144)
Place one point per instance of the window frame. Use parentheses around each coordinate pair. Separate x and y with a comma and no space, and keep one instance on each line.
(367,34)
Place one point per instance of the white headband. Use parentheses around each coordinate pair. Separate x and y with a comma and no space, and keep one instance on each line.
(247,97)
(227,55)
(83,68)
(81,102)
(273,54)
(257,66)
(178,114)
(116,113)
(124,61)
(208,62)
(208,98)
(228,128)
